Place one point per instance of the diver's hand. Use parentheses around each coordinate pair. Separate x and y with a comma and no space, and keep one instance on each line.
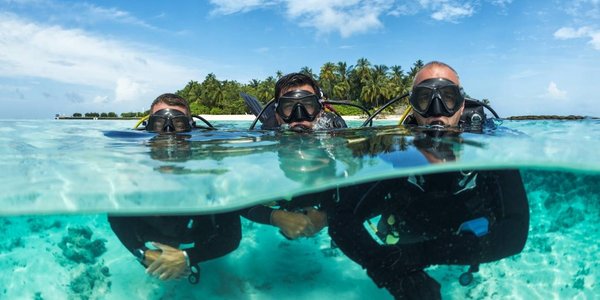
(150,256)
(292,224)
(170,264)
(317,218)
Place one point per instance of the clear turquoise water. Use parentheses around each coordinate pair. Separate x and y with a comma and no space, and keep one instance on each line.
(68,174)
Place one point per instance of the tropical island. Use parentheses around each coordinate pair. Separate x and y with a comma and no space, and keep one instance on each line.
(364,84)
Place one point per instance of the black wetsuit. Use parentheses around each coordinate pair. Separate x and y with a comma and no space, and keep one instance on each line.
(426,212)
(203,237)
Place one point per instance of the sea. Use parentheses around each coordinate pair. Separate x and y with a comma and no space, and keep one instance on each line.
(62,178)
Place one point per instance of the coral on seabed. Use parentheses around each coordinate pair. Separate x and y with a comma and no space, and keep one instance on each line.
(91,279)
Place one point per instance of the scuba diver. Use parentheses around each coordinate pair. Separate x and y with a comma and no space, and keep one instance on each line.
(452,218)
(172,246)
(170,113)
(298,105)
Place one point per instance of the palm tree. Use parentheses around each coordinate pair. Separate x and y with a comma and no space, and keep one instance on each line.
(327,77)
(307,71)
(266,89)
(212,91)
(342,88)
(363,69)
(397,81)
(414,69)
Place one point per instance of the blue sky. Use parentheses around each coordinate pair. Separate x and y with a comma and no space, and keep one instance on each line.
(527,57)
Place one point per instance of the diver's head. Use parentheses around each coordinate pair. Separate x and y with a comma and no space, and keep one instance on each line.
(169,113)
(436,97)
(297,101)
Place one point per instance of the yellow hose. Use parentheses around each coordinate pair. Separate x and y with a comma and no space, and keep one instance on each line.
(140,121)
(404,115)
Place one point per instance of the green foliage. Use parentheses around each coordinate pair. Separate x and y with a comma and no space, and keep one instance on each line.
(367,84)
(77,115)
(131,114)
(372,85)
(346,110)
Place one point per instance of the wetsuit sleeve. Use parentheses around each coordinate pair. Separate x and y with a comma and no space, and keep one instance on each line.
(384,263)
(258,213)
(215,236)
(125,229)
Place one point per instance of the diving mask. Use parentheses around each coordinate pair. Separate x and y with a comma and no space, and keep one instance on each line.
(169,120)
(298,105)
(436,97)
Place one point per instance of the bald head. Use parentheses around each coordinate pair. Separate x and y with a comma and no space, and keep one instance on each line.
(436,69)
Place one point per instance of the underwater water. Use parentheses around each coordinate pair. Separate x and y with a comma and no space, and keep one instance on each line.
(61,178)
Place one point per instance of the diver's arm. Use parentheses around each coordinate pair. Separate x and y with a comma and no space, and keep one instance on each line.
(211,243)
(125,229)
(385,264)
(258,213)
(292,224)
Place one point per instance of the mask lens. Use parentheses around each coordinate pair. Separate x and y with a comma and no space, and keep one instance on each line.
(310,104)
(421,98)
(181,124)
(285,106)
(156,123)
(449,96)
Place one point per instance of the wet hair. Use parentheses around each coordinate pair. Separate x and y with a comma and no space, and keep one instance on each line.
(173,100)
(295,80)
(435,63)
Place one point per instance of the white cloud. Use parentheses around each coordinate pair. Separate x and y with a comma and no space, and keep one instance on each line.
(595,40)
(501,3)
(451,13)
(584,9)
(227,7)
(345,17)
(348,17)
(77,57)
(553,92)
(89,12)
(566,33)
(101,99)
(570,33)
(128,89)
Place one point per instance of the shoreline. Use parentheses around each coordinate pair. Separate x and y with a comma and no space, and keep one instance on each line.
(247,117)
